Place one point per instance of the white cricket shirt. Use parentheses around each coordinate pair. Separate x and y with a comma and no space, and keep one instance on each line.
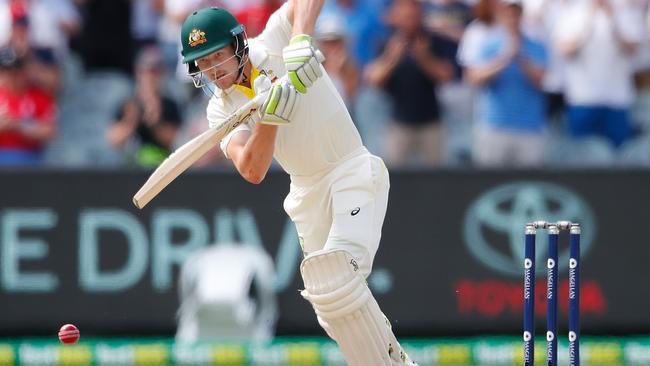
(321,134)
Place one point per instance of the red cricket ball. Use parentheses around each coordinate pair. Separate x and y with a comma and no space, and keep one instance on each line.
(69,334)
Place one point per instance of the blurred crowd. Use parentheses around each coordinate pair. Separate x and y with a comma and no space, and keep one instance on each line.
(429,83)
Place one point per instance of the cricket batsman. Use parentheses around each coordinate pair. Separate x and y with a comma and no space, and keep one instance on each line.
(339,191)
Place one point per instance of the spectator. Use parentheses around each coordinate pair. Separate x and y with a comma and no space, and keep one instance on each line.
(540,19)
(27,114)
(447,18)
(363,26)
(195,123)
(148,117)
(255,15)
(145,22)
(45,71)
(40,30)
(175,12)
(511,109)
(51,24)
(598,39)
(483,25)
(409,69)
(339,63)
(16,24)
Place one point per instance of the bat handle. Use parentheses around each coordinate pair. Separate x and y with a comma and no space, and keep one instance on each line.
(319,56)
(259,99)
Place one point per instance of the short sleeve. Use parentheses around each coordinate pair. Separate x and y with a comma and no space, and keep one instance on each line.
(484,46)
(470,44)
(277,33)
(226,140)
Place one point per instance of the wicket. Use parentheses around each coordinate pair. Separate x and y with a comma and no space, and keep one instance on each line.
(553,229)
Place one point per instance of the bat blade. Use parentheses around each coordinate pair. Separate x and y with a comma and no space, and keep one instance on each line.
(186,155)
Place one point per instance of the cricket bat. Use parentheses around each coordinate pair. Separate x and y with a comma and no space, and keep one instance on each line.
(186,155)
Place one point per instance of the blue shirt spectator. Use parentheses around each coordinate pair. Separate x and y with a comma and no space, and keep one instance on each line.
(507,67)
(511,100)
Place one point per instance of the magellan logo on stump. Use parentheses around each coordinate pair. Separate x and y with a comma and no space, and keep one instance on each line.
(494,223)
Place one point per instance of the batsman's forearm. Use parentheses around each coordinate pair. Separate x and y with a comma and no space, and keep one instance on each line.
(257,155)
(303,15)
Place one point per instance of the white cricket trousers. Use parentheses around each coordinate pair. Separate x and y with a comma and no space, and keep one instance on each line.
(343,208)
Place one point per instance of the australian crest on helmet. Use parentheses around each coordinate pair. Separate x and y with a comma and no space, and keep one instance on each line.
(196,37)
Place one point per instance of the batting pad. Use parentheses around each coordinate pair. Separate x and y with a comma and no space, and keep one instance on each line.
(347,310)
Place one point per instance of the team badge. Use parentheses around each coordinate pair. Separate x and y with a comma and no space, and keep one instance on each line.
(197,37)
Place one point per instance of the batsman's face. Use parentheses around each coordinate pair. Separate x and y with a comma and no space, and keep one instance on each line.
(220,67)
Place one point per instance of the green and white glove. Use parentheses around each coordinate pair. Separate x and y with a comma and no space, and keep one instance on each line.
(303,62)
(280,103)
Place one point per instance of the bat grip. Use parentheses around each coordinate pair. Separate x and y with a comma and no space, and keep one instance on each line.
(259,99)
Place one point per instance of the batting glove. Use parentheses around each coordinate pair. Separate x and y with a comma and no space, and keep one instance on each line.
(302,61)
(280,103)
